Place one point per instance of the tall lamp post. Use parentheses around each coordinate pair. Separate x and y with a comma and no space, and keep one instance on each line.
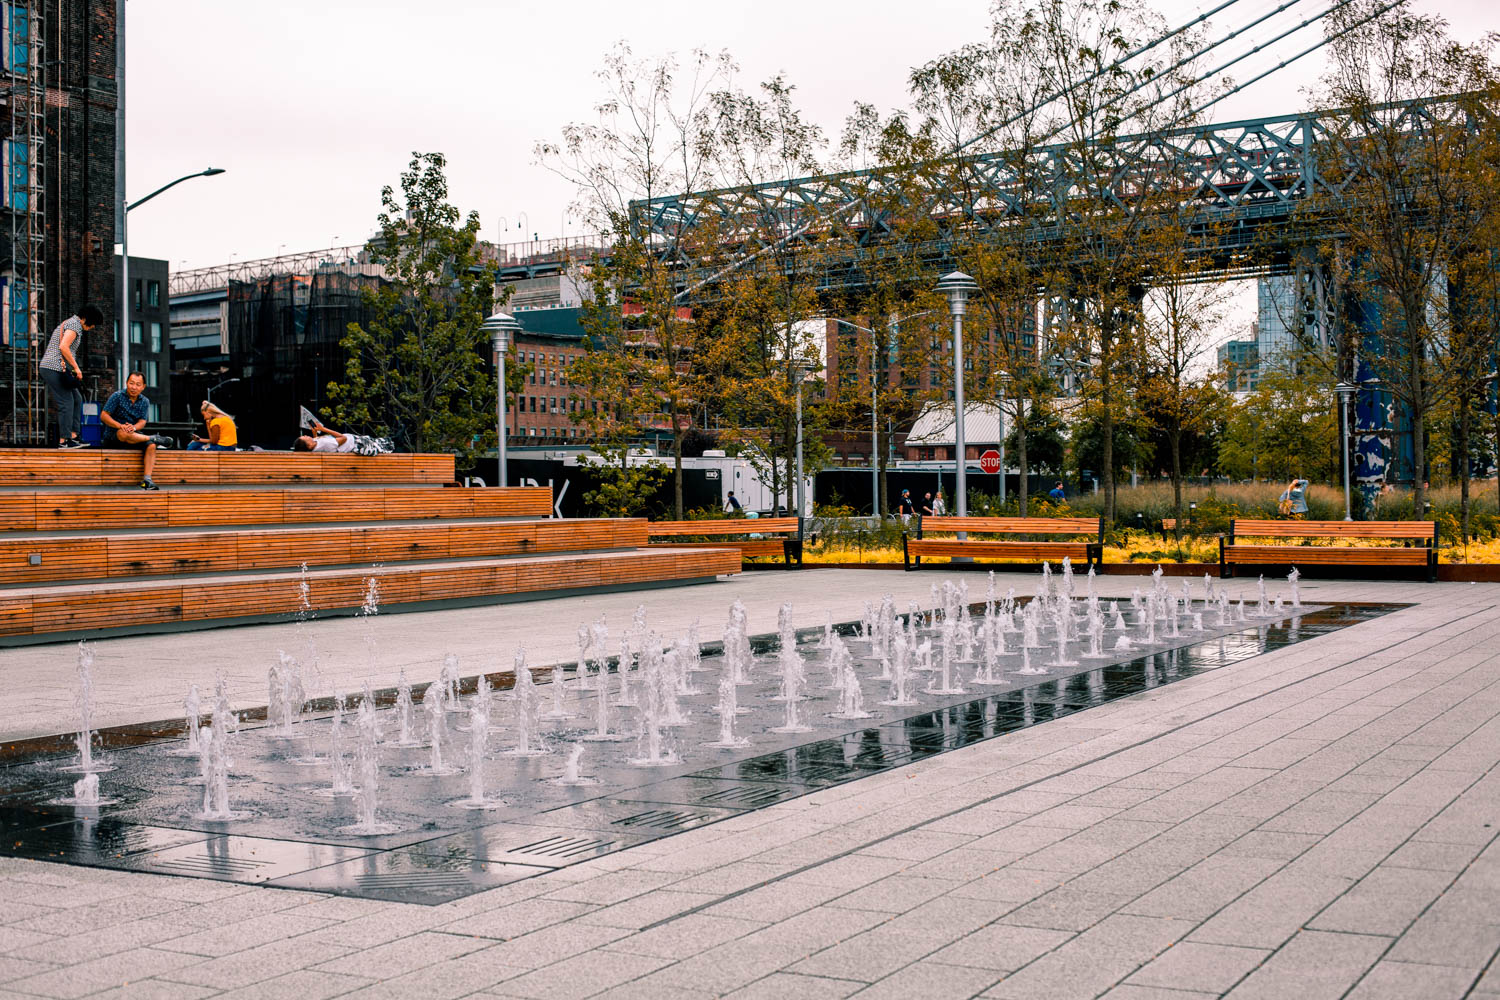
(500,327)
(125,263)
(1344,390)
(800,371)
(958,286)
(1005,381)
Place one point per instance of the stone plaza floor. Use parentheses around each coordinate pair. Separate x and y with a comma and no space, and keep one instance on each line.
(1317,821)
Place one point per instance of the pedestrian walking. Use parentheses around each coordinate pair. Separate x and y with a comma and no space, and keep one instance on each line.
(905,507)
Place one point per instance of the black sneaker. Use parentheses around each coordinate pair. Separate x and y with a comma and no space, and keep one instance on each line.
(163,442)
(73,443)
(147,484)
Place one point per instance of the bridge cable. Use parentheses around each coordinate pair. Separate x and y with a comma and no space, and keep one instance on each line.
(1287,62)
(1117,64)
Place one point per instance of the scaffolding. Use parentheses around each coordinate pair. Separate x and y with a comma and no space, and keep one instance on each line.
(25,336)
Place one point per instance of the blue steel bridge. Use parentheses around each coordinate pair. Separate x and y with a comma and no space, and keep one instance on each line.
(1239,185)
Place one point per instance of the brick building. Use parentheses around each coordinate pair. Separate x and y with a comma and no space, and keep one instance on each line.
(60,194)
(550,341)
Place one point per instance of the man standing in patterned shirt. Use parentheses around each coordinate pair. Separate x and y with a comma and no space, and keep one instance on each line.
(124,417)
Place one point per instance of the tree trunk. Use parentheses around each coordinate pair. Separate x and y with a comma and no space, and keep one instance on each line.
(1418,461)
(1463,466)
(1175,437)
(677,436)
(1022,463)
(1416,374)
(1107,424)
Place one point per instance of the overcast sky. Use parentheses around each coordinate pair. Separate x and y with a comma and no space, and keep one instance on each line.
(312,107)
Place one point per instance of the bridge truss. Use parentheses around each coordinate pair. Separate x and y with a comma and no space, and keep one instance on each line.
(1235,185)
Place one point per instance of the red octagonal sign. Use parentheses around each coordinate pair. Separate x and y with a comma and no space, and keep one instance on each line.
(990,462)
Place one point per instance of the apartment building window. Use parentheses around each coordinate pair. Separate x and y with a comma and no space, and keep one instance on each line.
(136,334)
(155,336)
(153,293)
(151,371)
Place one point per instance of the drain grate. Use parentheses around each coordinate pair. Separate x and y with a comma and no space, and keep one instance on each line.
(211,867)
(565,847)
(748,797)
(667,819)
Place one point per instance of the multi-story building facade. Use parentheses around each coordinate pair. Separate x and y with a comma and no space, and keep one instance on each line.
(1239,360)
(150,349)
(59,194)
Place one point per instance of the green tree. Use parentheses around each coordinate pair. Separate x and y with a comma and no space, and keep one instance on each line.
(420,372)
(1279,431)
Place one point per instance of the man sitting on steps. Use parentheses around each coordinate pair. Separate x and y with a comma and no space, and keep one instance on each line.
(125,414)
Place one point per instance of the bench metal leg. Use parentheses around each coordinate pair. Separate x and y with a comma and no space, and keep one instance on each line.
(905,555)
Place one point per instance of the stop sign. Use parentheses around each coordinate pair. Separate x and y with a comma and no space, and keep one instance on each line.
(990,462)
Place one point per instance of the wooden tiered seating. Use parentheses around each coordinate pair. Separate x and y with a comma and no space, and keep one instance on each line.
(1423,554)
(913,549)
(82,558)
(30,510)
(786,532)
(119,467)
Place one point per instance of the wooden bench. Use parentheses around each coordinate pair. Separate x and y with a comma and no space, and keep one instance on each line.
(1232,552)
(1090,552)
(99,510)
(36,467)
(122,555)
(787,543)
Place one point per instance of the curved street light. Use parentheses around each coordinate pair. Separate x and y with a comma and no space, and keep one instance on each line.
(125,262)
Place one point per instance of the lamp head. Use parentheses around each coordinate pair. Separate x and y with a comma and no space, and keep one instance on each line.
(211,171)
(500,328)
(958,287)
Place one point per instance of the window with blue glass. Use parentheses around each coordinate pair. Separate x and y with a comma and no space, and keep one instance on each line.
(17,48)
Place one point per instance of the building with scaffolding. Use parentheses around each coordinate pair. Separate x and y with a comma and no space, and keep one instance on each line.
(58,61)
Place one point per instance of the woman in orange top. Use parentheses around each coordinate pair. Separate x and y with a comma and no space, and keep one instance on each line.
(222,434)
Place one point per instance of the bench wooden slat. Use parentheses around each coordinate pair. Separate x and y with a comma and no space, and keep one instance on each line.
(746,546)
(726,526)
(1013,550)
(1013,525)
(1333,529)
(1326,555)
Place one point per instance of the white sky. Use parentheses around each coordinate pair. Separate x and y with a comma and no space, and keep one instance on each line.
(312,107)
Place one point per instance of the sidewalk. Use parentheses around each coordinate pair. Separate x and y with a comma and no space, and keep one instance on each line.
(1313,822)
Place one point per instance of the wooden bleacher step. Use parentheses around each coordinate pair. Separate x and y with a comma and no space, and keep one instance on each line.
(52,613)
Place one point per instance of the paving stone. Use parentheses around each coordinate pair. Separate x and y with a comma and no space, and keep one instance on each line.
(783,985)
(928,978)
(1403,980)
(1313,965)
(580,976)
(1384,902)
(1208,968)
(304,984)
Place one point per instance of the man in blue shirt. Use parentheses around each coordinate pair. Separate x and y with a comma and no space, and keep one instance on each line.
(1056,492)
(124,417)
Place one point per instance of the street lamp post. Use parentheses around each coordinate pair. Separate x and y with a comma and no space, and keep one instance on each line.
(1005,381)
(125,263)
(958,286)
(500,327)
(1344,390)
(800,371)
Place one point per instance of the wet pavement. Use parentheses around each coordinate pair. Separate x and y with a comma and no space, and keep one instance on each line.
(293,836)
